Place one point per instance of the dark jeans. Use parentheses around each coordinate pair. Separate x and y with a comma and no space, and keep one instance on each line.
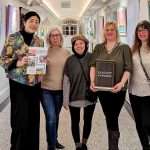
(141,111)
(75,119)
(111,104)
(52,103)
(25,116)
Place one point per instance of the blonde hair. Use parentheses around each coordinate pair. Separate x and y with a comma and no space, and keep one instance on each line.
(48,41)
(114,24)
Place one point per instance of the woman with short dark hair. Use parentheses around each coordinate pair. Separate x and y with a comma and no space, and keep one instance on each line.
(25,90)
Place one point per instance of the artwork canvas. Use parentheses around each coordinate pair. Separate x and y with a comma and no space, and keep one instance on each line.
(12,13)
(122,21)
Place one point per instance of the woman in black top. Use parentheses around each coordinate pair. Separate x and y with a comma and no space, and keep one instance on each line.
(24,89)
(76,81)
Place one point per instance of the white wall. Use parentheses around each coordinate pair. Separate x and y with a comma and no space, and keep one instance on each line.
(144,10)
(133,10)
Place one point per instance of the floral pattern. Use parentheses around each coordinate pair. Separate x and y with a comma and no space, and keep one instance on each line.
(15,48)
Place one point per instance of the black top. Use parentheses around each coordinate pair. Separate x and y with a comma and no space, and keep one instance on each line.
(27,37)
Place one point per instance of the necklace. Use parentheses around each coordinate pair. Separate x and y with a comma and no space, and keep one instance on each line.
(110,48)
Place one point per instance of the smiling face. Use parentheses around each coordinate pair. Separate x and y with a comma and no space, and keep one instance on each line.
(31,25)
(55,38)
(79,46)
(110,33)
(143,34)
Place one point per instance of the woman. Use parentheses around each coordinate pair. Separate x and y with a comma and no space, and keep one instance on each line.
(24,89)
(139,89)
(52,86)
(76,81)
(112,101)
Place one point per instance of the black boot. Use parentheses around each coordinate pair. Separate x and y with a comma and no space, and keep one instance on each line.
(84,147)
(51,148)
(113,139)
(59,146)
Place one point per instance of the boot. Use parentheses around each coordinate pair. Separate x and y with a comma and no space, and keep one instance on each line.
(113,139)
(84,147)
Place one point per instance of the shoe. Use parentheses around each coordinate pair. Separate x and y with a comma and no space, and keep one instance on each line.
(79,148)
(59,146)
(84,147)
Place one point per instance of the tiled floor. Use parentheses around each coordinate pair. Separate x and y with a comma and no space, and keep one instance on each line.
(98,137)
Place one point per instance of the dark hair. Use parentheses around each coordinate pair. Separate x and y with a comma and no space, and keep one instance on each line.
(30,14)
(85,51)
(137,42)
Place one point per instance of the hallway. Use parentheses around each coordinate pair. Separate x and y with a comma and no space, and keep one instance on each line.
(97,140)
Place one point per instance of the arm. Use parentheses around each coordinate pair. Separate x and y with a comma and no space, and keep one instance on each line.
(9,55)
(92,78)
(66,91)
(127,57)
(123,81)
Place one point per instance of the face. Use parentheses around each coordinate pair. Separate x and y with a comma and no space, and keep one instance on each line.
(79,46)
(110,33)
(142,34)
(55,38)
(32,24)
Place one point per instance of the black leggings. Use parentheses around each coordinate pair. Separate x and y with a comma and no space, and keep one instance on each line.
(75,119)
(141,111)
(111,104)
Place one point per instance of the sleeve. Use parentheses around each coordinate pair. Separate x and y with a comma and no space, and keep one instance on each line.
(8,57)
(127,56)
(66,90)
(92,62)
(66,86)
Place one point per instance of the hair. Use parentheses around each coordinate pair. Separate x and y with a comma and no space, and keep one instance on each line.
(86,45)
(30,14)
(49,34)
(114,24)
(137,42)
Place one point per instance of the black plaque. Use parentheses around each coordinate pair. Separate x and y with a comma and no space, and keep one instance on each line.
(105,70)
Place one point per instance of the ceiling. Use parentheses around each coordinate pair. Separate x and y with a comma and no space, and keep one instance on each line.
(68,8)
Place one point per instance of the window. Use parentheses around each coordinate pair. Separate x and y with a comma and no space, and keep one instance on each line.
(70,27)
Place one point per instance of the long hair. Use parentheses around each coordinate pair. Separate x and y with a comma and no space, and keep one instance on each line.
(49,34)
(114,24)
(137,42)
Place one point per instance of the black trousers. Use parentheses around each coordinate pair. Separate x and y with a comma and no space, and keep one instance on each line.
(141,111)
(25,116)
(111,104)
(75,120)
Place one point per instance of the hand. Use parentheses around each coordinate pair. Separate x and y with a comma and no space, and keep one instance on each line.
(65,105)
(116,88)
(23,61)
(92,87)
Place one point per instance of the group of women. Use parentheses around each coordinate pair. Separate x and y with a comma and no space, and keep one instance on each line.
(66,82)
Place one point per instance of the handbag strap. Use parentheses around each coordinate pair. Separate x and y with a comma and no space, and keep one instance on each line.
(144,69)
(84,74)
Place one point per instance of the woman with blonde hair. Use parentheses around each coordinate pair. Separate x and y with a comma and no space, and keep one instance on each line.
(52,85)
(112,101)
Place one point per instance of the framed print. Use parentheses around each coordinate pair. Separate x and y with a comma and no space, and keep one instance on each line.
(122,21)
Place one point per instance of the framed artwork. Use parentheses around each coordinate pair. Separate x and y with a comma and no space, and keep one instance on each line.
(12,19)
(122,21)
(149,9)
(1,15)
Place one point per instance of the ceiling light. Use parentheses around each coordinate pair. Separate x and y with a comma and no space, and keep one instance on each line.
(85,7)
(50,7)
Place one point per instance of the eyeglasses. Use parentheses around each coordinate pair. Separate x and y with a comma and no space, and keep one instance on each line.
(142,30)
(55,35)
